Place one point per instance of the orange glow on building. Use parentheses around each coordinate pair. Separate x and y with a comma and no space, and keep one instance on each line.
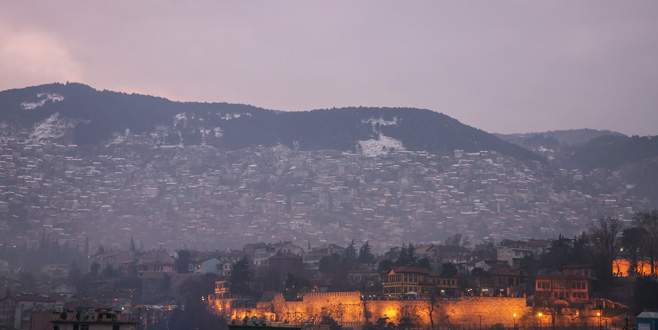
(621,267)
(391,312)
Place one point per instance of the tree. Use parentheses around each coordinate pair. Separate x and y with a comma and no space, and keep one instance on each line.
(424,263)
(330,264)
(431,306)
(350,253)
(559,254)
(385,266)
(183,260)
(335,267)
(649,222)
(448,270)
(240,277)
(582,249)
(196,314)
(365,254)
(632,241)
(407,256)
(604,237)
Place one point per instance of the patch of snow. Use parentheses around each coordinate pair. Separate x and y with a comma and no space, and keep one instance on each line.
(544,149)
(204,133)
(42,98)
(380,146)
(181,142)
(381,121)
(159,134)
(119,138)
(180,118)
(51,128)
(230,115)
(216,132)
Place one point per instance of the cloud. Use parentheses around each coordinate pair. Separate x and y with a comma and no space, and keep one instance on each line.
(29,57)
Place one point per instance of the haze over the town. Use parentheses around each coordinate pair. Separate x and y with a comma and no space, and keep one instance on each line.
(513,66)
(328,165)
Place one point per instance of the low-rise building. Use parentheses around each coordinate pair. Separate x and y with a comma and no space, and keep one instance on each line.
(157,261)
(571,288)
(417,281)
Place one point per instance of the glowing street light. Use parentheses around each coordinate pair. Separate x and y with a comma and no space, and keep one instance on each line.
(514,317)
(539,316)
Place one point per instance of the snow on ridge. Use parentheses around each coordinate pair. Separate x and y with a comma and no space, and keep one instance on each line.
(380,146)
(42,98)
(51,128)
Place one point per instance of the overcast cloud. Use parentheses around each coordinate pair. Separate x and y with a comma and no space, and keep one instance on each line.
(503,66)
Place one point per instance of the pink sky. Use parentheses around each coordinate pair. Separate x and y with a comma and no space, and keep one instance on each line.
(503,66)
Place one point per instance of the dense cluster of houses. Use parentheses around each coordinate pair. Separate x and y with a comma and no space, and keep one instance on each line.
(207,198)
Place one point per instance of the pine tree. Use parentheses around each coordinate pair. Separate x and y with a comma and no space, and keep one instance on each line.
(365,254)
(350,253)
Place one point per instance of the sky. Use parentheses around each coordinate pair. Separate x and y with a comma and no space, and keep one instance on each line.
(503,66)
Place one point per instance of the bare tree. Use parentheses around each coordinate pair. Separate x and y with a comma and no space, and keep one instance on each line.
(605,240)
(432,302)
(649,222)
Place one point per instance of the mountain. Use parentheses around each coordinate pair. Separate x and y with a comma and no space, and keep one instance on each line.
(78,114)
(79,165)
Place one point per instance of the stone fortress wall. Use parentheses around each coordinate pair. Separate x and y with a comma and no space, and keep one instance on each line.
(349,309)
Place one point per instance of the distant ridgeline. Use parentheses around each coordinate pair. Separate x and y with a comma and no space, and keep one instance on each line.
(79,114)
